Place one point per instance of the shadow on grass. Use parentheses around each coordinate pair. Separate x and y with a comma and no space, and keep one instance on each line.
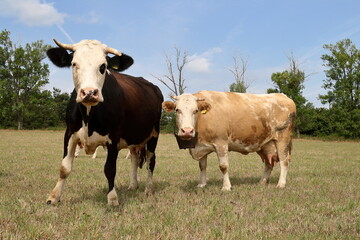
(125,196)
(191,186)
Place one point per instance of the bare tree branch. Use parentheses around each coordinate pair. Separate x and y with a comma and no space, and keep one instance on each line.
(175,83)
(239,69)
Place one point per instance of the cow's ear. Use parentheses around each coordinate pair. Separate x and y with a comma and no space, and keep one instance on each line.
(120,63)
(60,57)
(204,106)
(168,106)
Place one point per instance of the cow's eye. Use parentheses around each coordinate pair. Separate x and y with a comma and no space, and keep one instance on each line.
(196,111)
(73,65)
(177,110)
(102,68)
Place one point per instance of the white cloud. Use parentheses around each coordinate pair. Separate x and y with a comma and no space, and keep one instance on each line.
(31,12)
(201,63)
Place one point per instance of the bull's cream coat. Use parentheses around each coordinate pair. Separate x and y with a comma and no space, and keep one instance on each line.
(236,122)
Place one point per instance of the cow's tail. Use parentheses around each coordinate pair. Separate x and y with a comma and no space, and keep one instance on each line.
(289,121)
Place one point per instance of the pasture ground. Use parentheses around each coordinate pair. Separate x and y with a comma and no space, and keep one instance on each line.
(321,199)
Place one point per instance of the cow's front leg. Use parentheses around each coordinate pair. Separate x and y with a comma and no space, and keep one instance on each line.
(134,168)
(110,172)
(202,166)
(65,169)
(222,153)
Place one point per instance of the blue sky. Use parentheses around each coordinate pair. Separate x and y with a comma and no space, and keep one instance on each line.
(262,31)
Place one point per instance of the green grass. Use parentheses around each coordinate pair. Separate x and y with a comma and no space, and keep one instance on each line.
(321,199)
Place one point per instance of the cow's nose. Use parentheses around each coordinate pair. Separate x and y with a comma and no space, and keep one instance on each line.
(187,132)
(89,95)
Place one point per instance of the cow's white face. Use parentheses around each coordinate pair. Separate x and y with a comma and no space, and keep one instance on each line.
(187,108)
(89,62)
(89,66)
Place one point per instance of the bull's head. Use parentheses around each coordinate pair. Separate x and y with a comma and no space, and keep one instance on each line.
(187,108)
(90,64)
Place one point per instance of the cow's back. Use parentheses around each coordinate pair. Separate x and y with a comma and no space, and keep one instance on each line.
(244,121)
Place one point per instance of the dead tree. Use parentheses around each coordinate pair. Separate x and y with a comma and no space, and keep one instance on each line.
(175,80)
(240,67)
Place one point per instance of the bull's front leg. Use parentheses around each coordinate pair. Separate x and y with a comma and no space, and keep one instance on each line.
(110,172)
(222,153)
(202,166)
(65,169)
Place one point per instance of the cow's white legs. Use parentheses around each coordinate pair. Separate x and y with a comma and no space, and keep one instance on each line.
(202,166)
(222,153)
(66,166)
(284,157)
(149,190)
(134,168)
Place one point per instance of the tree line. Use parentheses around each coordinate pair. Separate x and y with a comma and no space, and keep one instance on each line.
(24,104)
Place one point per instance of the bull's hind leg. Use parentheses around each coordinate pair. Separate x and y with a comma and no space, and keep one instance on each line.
(151,162)
(110,172)
(222,153)
(66,166)
(284,151)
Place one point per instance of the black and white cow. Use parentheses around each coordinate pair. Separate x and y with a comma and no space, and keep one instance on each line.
(107,108)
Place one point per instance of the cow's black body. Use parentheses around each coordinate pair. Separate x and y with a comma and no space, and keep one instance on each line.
(131,111)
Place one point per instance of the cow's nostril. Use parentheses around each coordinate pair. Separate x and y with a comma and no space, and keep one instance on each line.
(95,92)
(82,92)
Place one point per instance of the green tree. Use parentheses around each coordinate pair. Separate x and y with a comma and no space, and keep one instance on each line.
(342,75)
(22,74)
(343,85)
(291,83)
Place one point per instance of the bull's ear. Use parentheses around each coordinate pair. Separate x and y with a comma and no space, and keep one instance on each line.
(120,63)
(168,106)
(60,57)
(203,106)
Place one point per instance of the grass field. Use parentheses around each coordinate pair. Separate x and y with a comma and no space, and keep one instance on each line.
(321,199)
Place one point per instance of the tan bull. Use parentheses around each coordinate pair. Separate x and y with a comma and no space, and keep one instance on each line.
(245,123)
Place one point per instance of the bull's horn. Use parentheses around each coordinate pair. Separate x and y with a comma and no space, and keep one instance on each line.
(112,51)
(66,46)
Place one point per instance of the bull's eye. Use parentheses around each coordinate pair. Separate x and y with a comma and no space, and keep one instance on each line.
(177,110)
(74,65)
(102,68)
(196,111)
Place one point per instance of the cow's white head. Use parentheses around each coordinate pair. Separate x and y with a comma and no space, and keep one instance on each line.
(90,64)
(187,109)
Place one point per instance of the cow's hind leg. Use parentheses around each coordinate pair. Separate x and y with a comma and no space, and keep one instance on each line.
(151,162)
(134,168)
(110,172)
(284,151)
(202,166)
(70,144)
(269,165)
(222,153)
